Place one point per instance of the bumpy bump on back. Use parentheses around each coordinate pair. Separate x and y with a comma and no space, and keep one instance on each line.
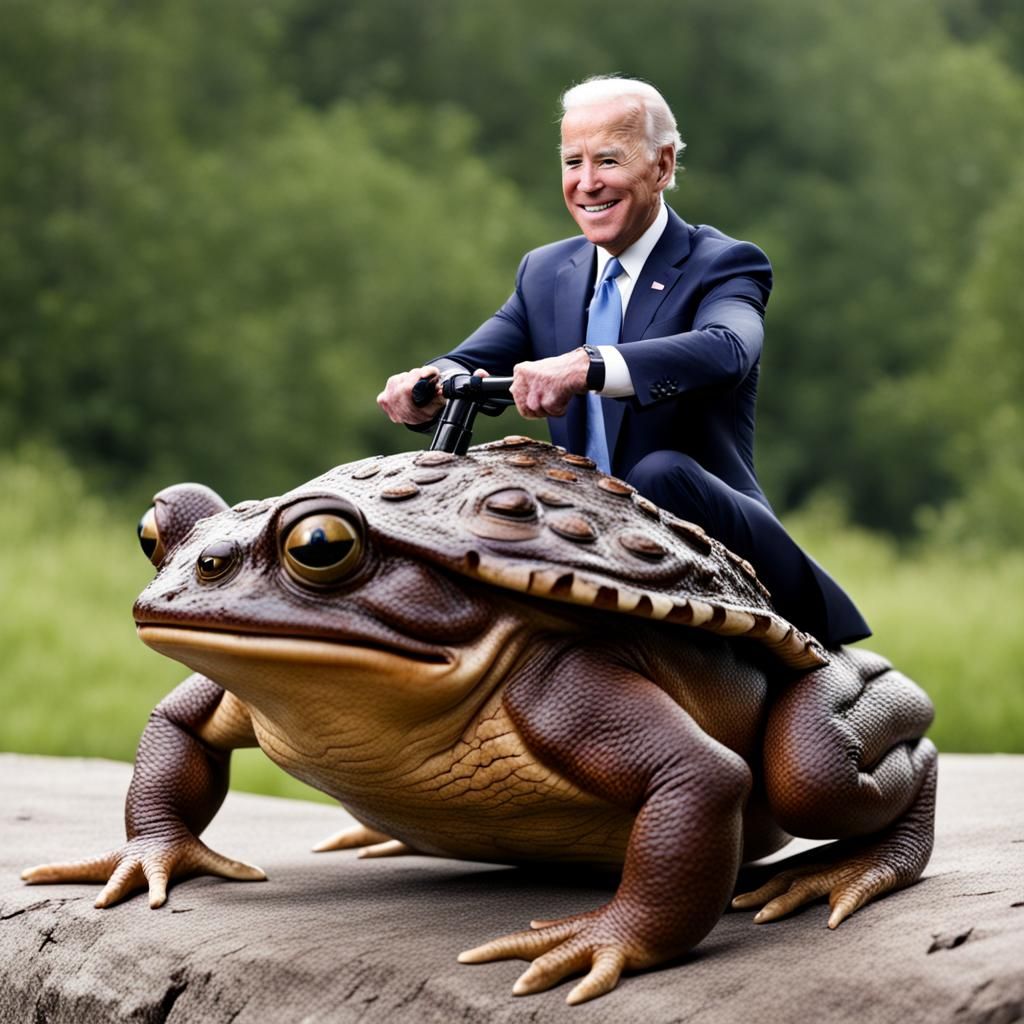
(524,515)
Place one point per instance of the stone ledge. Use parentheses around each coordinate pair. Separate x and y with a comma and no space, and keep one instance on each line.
(329,938)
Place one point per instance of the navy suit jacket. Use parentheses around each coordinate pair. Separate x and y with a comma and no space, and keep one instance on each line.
(691,337)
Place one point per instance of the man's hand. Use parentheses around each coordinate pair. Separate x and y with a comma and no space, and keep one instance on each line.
(543,388)
(396,398)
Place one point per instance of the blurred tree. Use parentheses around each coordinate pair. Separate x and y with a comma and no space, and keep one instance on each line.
(978,391)
(180,304)
(219,224)
(889,169)
(996,23)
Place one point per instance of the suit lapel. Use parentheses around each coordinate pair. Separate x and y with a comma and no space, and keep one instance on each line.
(664,266)
(573,286)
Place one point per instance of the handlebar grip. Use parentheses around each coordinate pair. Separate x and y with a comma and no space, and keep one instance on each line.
(423,391)
(477,389)
(495,385)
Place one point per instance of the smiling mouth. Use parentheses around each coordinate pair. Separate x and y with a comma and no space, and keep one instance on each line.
(601,207)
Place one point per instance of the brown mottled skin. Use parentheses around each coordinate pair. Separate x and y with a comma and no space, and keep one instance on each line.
(506,656)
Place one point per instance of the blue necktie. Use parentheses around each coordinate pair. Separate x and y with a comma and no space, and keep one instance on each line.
(603,328)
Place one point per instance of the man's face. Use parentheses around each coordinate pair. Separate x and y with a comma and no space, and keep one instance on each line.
(611,181)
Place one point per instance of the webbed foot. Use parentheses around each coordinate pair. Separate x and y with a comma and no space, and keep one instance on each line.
(600,943)
(853,872)
(373,843)
(145,862)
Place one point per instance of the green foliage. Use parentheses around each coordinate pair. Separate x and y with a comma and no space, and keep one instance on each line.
(192,304)
(871,216)
(76,680)
(998,24)
(946,617)
(969,404)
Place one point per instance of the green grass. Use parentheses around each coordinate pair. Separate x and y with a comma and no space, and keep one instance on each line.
(950,619)
(75,680)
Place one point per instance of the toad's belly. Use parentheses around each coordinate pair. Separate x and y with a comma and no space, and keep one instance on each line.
(480,795)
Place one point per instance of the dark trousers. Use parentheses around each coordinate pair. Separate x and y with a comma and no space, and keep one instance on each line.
(801,590)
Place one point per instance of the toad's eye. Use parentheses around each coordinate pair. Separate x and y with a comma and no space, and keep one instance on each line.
(322,548)
(149,537)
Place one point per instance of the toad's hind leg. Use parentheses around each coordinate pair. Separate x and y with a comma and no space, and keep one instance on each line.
(845,759)
(618,737)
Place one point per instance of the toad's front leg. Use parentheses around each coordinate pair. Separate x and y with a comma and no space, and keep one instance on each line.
(616,735)
(179,782)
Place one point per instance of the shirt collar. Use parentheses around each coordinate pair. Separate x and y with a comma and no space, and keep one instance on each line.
(634,258)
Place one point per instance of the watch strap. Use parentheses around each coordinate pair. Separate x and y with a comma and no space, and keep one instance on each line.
(596,370)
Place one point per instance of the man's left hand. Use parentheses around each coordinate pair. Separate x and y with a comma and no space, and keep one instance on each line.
(544,387)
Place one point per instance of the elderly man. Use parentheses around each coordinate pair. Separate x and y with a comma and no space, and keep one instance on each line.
(641,343)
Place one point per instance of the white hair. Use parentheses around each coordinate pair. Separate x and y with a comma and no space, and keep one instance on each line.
(660,122)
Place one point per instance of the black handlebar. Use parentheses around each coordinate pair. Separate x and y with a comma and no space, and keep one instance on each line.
(467,395)
(493,391)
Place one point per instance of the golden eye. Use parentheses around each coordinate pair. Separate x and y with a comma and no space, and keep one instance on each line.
(217,560)
(149,537)
(322,548)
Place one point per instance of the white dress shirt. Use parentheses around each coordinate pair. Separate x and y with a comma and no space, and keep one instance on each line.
(617,381)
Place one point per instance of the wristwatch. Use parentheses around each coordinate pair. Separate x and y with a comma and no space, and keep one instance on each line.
(596,370)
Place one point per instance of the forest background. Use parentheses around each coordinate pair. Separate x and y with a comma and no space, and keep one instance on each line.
(223,225)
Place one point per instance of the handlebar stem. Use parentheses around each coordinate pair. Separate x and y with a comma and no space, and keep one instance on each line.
(467,395)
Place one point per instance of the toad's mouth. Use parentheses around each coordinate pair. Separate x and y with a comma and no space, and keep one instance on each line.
(307,650)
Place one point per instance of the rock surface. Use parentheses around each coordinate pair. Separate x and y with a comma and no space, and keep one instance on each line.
(330,938)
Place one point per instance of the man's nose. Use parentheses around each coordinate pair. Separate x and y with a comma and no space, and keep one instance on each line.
(590,180)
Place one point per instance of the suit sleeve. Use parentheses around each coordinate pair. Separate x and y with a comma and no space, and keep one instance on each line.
(721,345)
(500,342)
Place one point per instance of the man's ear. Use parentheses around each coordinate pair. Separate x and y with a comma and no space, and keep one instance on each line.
(666,165)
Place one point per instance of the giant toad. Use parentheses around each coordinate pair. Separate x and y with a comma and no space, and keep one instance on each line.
(507,656)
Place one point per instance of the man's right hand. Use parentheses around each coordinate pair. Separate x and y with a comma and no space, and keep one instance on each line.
(396,398)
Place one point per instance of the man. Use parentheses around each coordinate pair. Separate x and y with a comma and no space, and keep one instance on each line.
(664,321)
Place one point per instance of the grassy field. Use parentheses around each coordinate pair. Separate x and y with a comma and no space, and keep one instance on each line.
(950,620)
(76,681)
